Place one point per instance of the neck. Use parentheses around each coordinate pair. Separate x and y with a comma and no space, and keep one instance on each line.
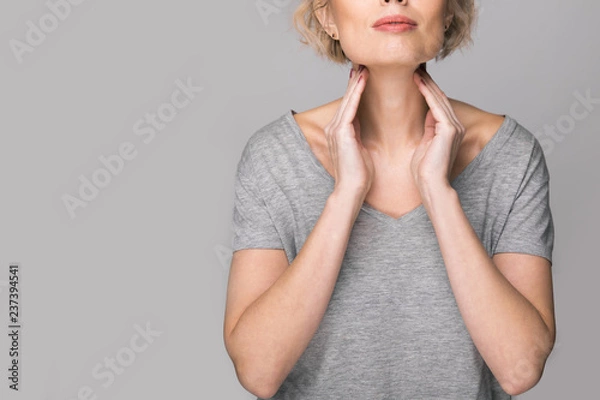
(391,112)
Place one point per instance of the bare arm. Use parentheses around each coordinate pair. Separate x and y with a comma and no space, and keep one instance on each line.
(275,329)
(505,301)
(510,318)
(273,310)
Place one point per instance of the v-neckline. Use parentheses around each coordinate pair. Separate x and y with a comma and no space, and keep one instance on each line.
(491,145)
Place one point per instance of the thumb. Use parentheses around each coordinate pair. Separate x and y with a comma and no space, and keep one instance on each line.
(429,132)
(356,125)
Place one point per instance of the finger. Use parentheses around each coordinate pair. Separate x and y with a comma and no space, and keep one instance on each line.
(440,95)
(352,74)
(336,116)
(349,111)
(349,90)
(438,98)
(444,103)
(342,116)
(429,126)
(356,124)
(436,108)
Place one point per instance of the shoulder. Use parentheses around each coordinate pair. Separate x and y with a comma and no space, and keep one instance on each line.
(268,140)
(271,146)
(482,126)
(312,121)
(516,151)
(269,133)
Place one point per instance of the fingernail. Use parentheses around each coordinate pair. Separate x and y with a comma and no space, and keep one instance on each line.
(361,68)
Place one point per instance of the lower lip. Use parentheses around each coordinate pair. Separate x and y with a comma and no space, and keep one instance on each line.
(395,27)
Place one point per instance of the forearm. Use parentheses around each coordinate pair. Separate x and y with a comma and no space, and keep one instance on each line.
(506,328)
(274,330)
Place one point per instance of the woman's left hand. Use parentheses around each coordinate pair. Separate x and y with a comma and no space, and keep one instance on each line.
(434,157)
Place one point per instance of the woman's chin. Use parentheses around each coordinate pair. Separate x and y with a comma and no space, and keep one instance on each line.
(412,65)
(393,62)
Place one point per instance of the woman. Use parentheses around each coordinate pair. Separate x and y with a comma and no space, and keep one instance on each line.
(394,243)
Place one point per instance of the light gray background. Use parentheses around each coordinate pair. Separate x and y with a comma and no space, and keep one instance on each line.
(153,246)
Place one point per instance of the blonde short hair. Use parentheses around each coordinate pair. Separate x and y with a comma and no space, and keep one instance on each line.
(457,36)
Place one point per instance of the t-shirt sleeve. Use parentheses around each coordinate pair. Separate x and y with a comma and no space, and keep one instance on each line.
(529,227)
(253,226)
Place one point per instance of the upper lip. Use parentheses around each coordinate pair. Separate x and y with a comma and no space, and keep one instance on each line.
(394,18)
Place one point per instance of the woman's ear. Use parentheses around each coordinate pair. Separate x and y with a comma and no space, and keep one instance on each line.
(324,17)
(448,20)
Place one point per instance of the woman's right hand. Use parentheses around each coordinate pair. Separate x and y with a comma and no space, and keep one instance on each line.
(352,163)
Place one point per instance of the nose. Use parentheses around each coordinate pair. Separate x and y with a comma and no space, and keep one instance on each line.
(399,1)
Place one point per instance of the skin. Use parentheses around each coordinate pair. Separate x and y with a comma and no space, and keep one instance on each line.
(390,134)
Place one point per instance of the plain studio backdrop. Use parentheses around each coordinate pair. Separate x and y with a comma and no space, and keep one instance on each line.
(122,124)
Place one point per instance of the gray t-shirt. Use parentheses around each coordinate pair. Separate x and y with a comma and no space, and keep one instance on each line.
(392,329)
